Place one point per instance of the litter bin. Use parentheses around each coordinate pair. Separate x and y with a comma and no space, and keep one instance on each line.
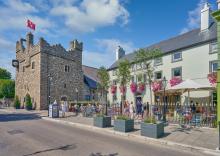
(53,111)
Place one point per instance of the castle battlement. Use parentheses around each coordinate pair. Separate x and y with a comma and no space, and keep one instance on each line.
(74,53)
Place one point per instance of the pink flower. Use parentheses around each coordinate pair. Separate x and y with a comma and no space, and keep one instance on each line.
(133,87)
(156,85)
(122,89)
(175,81)
(141,87)
(212,78)
(113,89)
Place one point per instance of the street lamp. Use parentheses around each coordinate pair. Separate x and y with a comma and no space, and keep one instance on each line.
(49,83)
(164,83)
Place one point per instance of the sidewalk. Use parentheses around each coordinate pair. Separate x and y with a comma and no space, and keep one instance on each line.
(205,139)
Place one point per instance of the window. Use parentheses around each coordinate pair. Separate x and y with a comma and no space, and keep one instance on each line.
(132,78)
(67,68)
(114,72)
(23,68)
(32,65)
(139,78)
(176,56)
(177,72)
(114,82)
(145,78)
(158,75)
(213,66)
(158,61)
(213,47)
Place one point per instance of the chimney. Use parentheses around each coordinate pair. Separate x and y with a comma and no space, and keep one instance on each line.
(205,17)
(119,53)
(29,40)
(218,3)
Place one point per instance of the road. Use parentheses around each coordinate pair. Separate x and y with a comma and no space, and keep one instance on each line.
(28,135)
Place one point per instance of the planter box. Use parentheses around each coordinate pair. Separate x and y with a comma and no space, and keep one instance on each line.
(152,130)
(124,125)
(102,122)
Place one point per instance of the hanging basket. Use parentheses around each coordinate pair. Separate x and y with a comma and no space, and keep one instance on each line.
(133,87)
(113,89)
(212,77)
(175,81)
(122,89)
(156,86)
(141,87)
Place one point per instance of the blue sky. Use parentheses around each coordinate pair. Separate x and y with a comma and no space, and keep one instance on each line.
(101,25)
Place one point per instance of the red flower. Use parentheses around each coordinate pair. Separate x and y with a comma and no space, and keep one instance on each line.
(212,78)
(122,89)
(113,89)
(156,85)
(175,81)
(133,87)
(141,87)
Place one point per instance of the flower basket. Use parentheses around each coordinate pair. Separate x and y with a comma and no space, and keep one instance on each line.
(113,89)
(122,89)
(141,87)
(133,87)
(212,78)
(175,81)
(156,85)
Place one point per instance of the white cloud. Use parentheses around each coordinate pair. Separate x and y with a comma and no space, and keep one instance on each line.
(194,16)
(105,56)
(90,15)
(6,45)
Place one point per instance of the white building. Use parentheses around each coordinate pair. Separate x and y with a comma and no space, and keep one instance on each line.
(192,55)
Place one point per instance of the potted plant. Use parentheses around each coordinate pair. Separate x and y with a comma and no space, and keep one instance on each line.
(17,103)
(102,121)
(123,124)
(151,128)
(28,102)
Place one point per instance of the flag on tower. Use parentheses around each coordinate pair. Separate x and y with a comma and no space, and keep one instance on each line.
(30,24)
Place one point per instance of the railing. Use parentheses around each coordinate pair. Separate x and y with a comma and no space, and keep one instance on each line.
(203,115)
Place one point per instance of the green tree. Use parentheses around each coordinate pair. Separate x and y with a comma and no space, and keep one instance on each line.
(7,88)
(4,74)
(17,103)
(103,85)
(124,76)
(144,58)
(28,102)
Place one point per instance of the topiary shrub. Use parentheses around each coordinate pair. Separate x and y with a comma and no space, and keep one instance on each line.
(28,102)
(17,103)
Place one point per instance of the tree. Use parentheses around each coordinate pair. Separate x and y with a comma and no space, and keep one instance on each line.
(7,88)
(124,76)
(144,58)
(103,85)
(4,74)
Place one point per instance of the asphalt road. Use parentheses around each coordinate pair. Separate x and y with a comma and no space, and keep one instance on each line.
(29,135)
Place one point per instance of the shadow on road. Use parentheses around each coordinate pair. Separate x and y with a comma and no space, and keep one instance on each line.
(100,154)
(64,148)
(18,117)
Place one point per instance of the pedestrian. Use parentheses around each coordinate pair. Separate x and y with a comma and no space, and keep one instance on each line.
(139,108)
(131,110)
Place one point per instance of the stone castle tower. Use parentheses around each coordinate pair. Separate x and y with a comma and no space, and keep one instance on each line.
(48,72)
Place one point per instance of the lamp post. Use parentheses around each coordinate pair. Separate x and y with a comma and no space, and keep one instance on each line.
(49,83)
(216,16)
(164,83)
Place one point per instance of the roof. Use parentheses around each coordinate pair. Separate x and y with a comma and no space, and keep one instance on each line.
(90,82)
(180,42)
(90,72)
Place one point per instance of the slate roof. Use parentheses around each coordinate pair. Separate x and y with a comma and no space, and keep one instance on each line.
(180,42)
(90,76)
